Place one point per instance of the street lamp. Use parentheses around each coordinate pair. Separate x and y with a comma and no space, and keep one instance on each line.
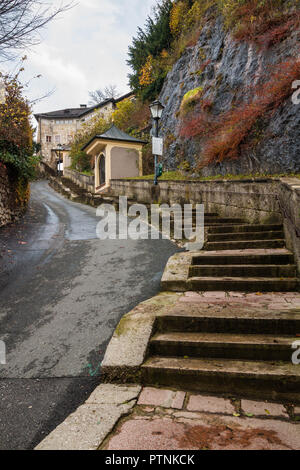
(59,146)
(156,109)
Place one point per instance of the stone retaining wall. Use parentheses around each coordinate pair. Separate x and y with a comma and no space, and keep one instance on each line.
(257,200)
(45,171)
(289,201)
(11,208)
(84,181)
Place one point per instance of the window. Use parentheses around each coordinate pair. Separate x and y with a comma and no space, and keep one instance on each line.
(48,138)
(57,139)
(70,138)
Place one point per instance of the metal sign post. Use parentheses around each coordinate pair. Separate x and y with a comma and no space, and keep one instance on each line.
(157,143)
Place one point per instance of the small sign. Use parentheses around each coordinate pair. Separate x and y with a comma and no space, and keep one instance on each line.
(157,146)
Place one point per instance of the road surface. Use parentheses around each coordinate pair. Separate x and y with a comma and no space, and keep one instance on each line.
(62,293)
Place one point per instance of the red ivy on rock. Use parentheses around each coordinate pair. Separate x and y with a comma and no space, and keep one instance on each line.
(223,135)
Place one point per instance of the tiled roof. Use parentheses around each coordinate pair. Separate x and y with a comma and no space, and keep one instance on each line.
(74,113)
(70,113)
(114,133)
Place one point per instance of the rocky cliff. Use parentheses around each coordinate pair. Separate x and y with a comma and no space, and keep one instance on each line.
(227,77)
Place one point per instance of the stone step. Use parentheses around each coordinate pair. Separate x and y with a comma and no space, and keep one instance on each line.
(246,244)
(255,270)
(242,258)
(220,345)
(239,236)
(265,380)
(224,220)
(218,221)
(193,212)
(243,284)
(245,228)
(200,318)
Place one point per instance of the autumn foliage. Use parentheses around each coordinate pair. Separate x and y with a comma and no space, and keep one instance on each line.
(263,21)
(16,143)
(177,16)
(146,73)
(15,129)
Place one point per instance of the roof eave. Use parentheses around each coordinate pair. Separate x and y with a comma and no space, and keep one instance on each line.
(96,137)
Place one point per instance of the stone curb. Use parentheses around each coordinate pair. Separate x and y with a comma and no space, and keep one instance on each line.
(92,422)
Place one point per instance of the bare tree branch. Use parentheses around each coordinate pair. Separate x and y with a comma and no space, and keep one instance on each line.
(21,21)
(98,96)
(43,97)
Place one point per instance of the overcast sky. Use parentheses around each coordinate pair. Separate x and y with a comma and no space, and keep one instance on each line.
(85,49)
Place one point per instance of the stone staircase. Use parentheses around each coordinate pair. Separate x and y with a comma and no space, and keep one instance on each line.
(232,351)
(75,193)
(235,349)
(242,257)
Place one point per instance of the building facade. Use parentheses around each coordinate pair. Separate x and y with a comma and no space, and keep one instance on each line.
(56,129)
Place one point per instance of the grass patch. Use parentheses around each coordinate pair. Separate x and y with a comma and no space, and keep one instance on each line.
(87,173)
(177,176)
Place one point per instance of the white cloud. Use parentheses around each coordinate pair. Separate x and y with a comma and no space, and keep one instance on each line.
(86,48)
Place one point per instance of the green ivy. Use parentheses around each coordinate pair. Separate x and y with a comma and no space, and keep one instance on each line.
(24,165)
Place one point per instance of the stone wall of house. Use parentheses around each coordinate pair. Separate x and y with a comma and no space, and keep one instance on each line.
(256,200)
(62,131)
(65,129)
(13,196)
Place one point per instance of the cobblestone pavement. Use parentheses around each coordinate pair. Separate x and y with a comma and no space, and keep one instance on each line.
(172,420)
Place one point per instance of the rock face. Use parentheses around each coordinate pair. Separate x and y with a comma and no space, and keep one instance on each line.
(11,206)
(225,69)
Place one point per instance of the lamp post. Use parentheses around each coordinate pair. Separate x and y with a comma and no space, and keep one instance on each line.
(59,146)
(156,109)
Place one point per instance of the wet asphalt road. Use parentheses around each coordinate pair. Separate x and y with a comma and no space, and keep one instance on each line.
(62,293)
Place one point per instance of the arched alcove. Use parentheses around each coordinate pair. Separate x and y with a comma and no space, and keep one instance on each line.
(100,171)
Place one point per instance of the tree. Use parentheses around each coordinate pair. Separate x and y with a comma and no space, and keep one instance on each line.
(150,42)
(21,22)
(16,134)
(80,160)
(98,96)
